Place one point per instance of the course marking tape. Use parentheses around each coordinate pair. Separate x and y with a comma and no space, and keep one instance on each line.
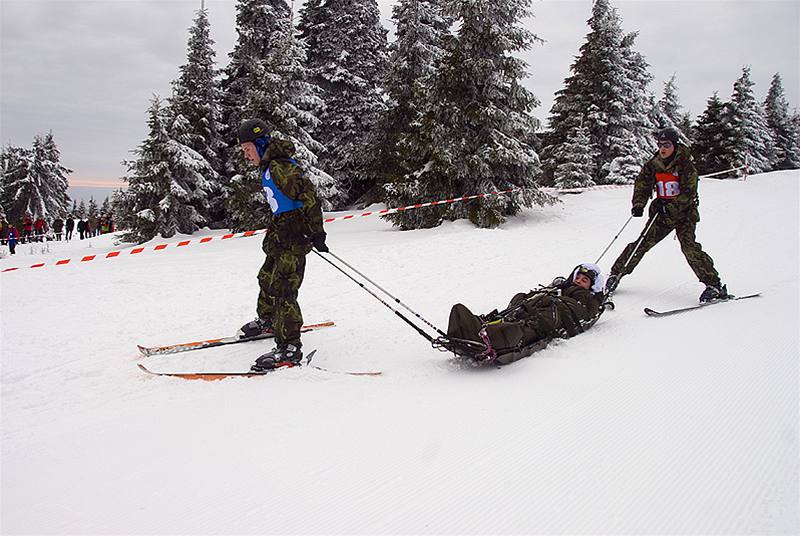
(160,247)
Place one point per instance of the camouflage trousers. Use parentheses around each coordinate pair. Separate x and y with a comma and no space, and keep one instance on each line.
(279,279)
(699,261)
(511,340)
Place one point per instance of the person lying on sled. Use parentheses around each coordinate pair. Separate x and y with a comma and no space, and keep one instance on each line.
(564,309)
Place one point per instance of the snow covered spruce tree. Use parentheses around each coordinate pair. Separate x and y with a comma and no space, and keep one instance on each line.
(752,143)
(59,180)
(347,56)
(34,180)
(476,133)
(2,184)
(713,138)
(787,149)
(421,33)
(630,128)
(267,79)
(795,120)
(165,183)
(194,112)
(667,112)
(607,94)
(14,163)
(92,210)
(576,160)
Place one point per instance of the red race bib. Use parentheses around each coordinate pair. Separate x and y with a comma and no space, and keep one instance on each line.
(667,185)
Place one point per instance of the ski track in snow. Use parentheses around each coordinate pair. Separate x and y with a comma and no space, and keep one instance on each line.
(681,425)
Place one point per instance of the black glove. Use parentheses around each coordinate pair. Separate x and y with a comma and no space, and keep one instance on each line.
(318,241)
(659,206)
(637,211)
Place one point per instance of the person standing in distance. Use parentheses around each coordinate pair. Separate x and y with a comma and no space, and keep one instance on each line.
(672,176)
(295,227)
(70,226)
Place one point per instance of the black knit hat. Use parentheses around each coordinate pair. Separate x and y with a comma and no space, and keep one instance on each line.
(668,134)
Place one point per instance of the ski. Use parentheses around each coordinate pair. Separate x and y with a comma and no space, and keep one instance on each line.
(651,312)
(210,343)
(206,376)
(348,372)
(214,376)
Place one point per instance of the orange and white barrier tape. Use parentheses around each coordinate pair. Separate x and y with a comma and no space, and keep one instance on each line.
(478,196)
(420,205)
(745,168)
(135,251)
(205,240)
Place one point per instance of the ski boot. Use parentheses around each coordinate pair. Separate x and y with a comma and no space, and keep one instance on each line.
(611,283)
(256,327)
(283,355)
(714,293)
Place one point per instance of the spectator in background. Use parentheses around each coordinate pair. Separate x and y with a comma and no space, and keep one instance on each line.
(70,227)
(93,227)
(39,228)
(3,232)
(81,229)
(13,234)
(27,227)
(58,226)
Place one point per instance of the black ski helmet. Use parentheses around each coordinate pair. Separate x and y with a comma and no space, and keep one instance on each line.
(668,134)
(251,130)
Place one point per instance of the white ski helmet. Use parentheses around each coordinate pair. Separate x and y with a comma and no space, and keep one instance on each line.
(593,272)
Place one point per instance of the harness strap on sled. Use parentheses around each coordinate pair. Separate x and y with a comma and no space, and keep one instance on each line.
(490,352)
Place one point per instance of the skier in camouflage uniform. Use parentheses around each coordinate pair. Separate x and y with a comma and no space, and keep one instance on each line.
(295,227)
(673,177)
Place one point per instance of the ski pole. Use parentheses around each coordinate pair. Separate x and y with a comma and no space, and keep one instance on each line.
(613,240)
(395,311)
(374,284)
(641,238)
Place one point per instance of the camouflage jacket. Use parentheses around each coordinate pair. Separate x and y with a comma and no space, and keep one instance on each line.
(293,228)
(682,206)
(557,310)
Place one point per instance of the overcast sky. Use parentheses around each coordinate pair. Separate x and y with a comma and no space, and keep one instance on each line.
(87,69)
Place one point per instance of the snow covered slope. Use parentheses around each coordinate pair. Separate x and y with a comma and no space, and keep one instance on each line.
(686,424)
